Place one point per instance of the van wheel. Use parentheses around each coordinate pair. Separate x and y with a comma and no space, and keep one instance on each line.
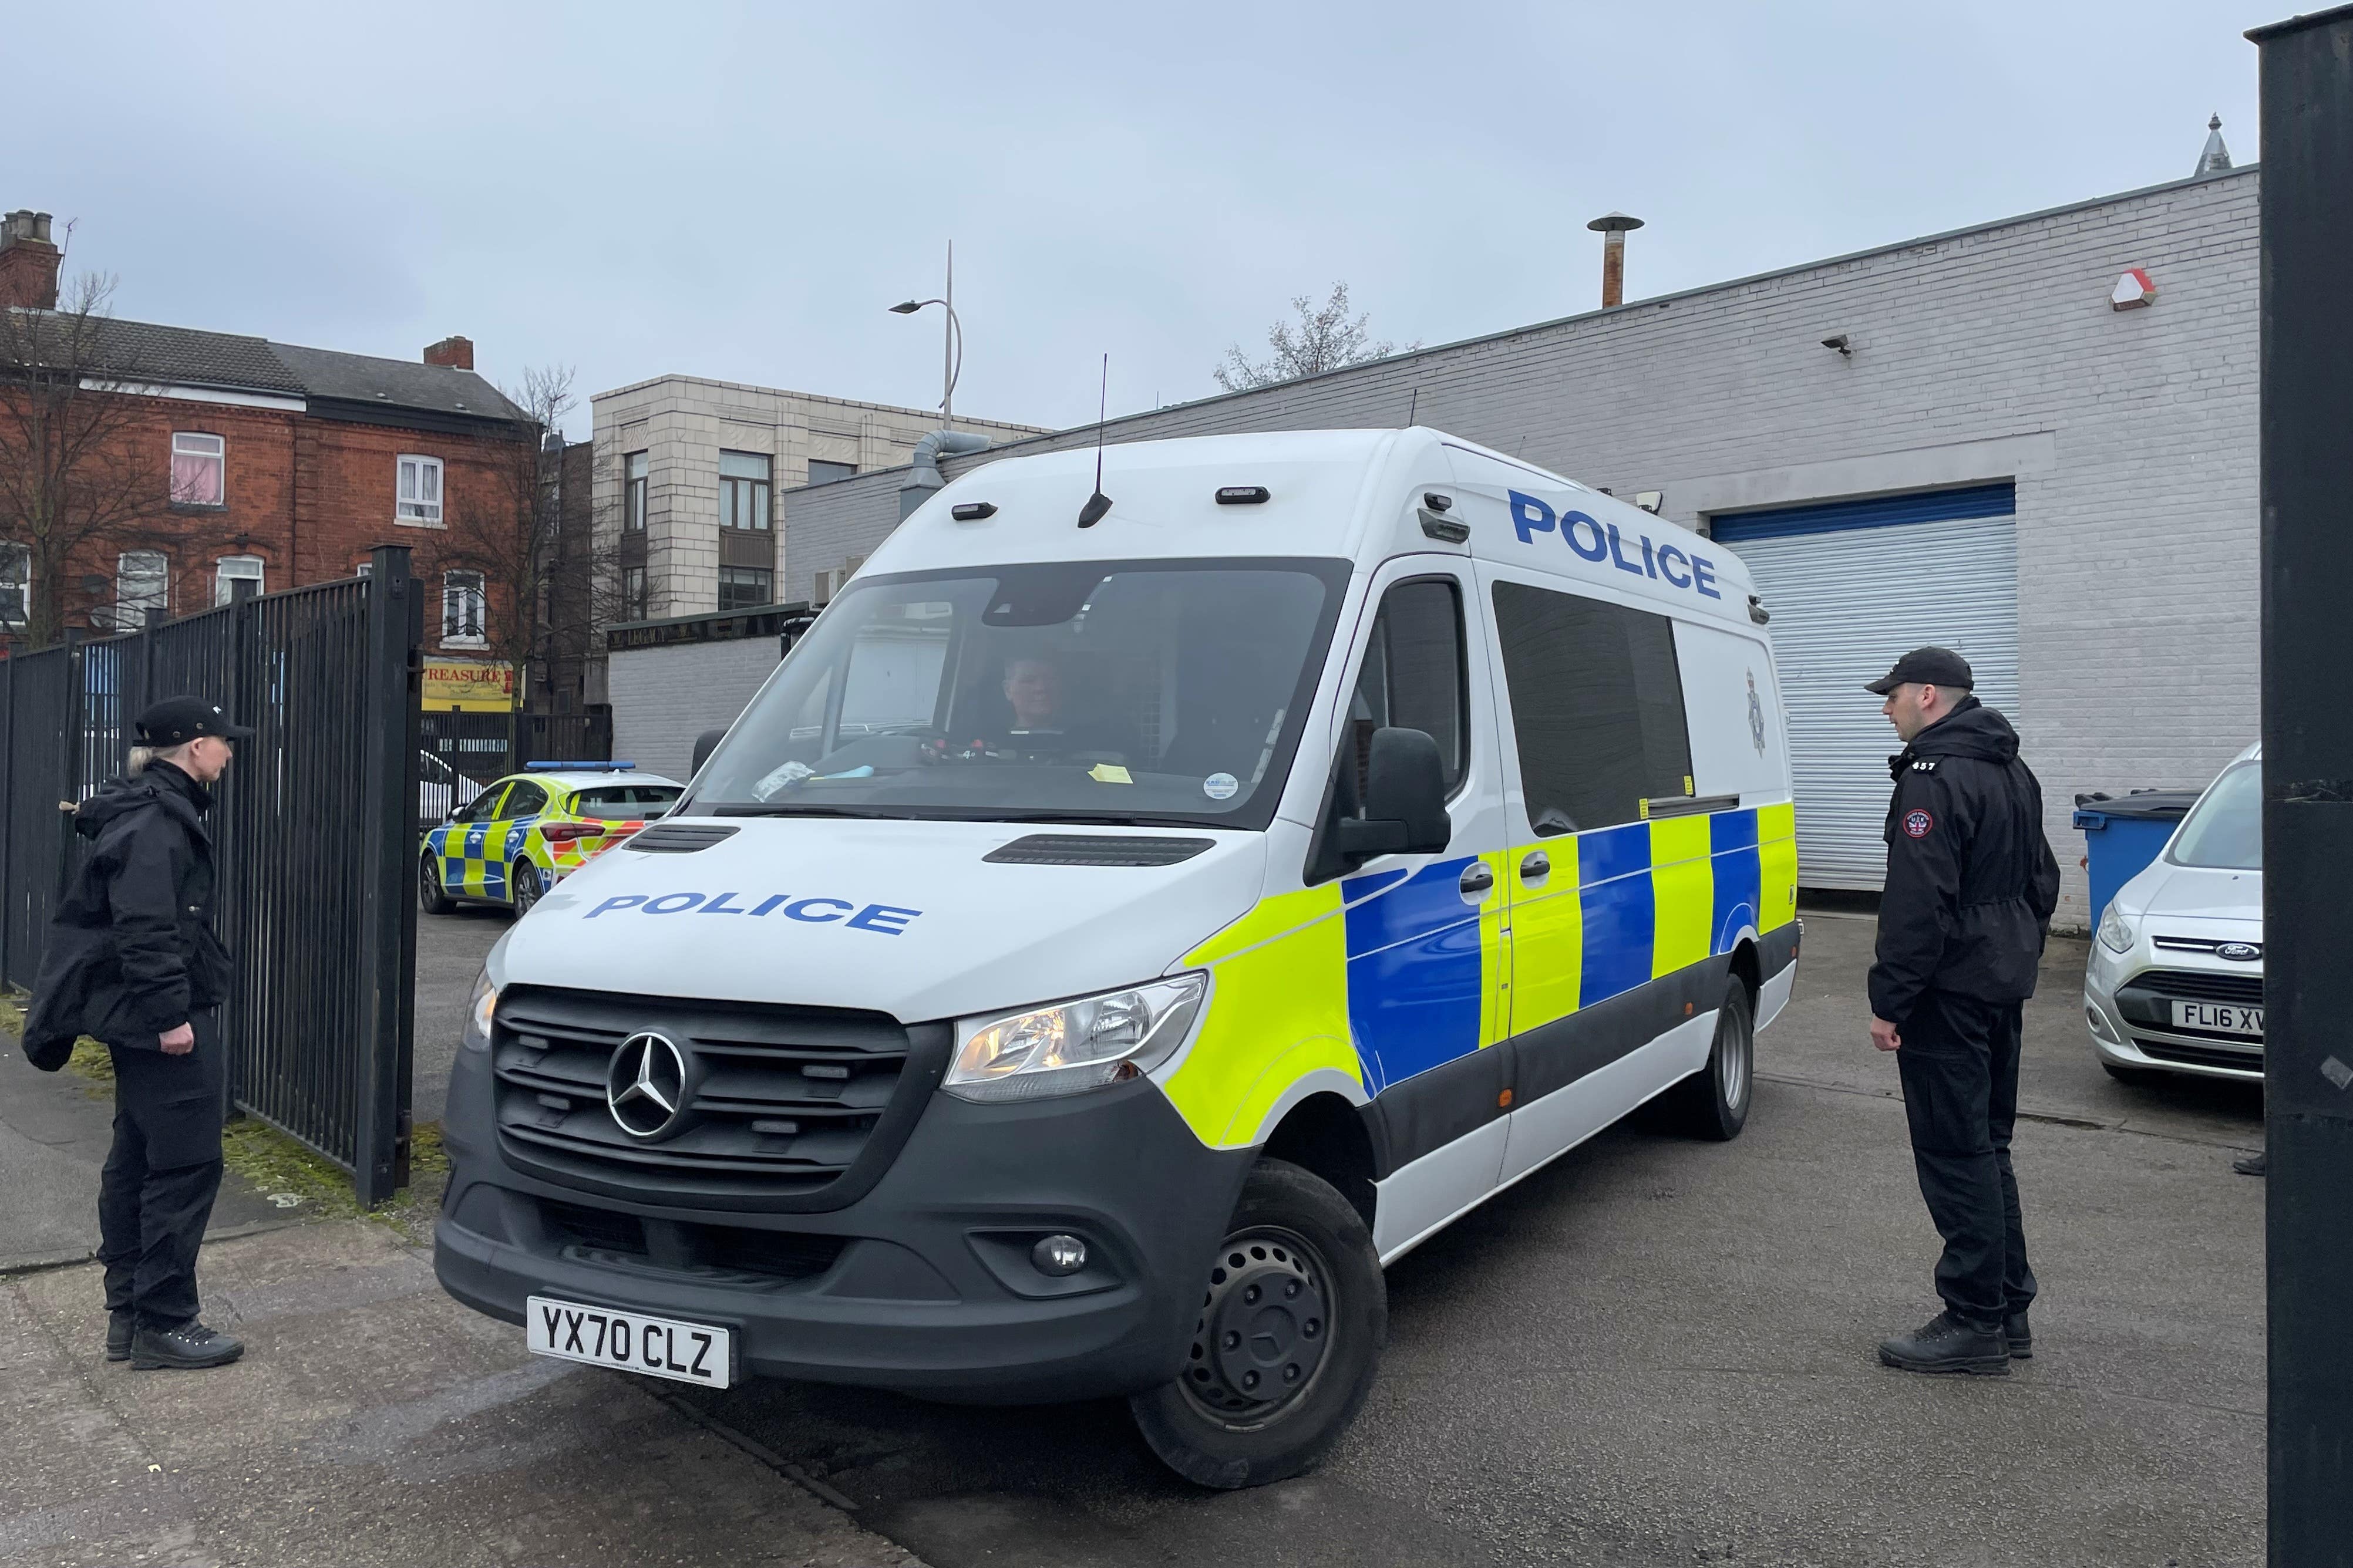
(431,897)
(1712,1103)
(1293,1313)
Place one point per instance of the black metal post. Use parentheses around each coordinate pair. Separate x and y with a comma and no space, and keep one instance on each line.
(2308,577)
(385,931)
(7,809)
(76,709)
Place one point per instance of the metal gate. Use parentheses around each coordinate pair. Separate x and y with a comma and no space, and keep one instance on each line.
(311,828)
(464,752)
(1852,585)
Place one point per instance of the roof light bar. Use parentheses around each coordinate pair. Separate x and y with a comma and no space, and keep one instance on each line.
(592,766)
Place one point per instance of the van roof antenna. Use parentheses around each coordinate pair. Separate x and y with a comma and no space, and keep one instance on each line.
(1413,408)
(1099,503)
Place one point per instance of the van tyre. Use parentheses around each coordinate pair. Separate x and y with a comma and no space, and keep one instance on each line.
(1293,1314)
(1712,1103)
(430,898)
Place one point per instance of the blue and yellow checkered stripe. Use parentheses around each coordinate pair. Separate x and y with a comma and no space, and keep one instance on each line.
(475,857)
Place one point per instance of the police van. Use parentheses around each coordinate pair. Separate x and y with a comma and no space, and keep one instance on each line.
(1164,888)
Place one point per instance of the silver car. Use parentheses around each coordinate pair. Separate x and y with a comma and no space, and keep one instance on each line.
(2175,979)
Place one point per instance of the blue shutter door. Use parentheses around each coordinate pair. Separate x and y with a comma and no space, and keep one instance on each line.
(1852,586)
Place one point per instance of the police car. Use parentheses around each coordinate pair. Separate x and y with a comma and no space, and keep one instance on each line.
(528,831)
(1120,928)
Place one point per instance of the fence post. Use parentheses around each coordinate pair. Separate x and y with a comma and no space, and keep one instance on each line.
(386,943)
(76,739)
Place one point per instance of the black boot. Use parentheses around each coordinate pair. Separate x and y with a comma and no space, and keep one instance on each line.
(1946,1343)
(191,1346)
(2021,1335)
(118,1334)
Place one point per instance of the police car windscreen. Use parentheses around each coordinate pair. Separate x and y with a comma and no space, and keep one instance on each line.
(625,803)
(1091,691)
(2225,828)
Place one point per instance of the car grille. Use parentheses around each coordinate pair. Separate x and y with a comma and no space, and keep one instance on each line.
(788,1108)
(2250,1060)
(2199,985)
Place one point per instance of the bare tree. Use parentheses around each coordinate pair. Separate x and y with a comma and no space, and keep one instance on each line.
(519,545)
(1324,338)
(78,486)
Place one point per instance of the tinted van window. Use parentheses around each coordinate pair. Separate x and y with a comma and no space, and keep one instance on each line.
(1597,707)
(1414,674)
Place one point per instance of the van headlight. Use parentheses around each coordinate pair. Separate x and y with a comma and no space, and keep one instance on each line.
(2116,934)
(476,1036)
(1072,1046)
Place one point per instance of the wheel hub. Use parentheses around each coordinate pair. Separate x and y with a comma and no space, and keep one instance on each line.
(1263,1328)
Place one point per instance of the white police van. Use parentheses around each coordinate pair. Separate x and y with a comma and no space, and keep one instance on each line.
(1120,928)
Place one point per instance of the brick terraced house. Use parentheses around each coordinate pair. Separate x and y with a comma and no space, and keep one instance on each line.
(151,469)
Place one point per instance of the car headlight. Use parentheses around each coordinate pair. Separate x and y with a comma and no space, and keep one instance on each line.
(476,1036)
(2116,934)
(1072,1046)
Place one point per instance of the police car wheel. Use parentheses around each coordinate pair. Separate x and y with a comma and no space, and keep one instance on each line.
(1712,1103)
(1293,1311)
(430,895)
(529,884)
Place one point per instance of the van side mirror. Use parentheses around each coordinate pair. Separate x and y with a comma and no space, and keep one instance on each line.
(704,744)
(1405,800)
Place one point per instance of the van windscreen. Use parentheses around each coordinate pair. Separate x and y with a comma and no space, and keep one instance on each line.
(1145,691)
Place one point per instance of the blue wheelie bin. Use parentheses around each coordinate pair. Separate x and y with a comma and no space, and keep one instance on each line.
(2122,834)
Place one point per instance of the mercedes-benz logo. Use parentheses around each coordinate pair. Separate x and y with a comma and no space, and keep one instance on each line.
(2239,952)
(646,1084)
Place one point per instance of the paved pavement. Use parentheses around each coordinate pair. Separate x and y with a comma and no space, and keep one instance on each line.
(55,1130)
(374,1421)
(449,953)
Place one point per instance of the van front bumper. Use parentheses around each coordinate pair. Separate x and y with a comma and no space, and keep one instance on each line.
(924,1285)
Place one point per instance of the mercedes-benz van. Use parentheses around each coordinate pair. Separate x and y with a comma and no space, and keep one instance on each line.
(1139,910)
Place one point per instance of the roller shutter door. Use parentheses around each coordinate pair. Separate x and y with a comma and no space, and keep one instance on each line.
(1852,586)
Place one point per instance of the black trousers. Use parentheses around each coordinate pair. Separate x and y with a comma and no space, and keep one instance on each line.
(1959,1066)
(160,1177)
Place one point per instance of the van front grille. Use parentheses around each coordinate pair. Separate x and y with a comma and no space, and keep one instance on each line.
(783,1108)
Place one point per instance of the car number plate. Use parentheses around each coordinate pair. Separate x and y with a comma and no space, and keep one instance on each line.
(629,1342)
(2218,1017)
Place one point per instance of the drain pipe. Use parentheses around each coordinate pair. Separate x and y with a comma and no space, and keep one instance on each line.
(927,477)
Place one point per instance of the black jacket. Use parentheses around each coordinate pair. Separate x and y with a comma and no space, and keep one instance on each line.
(132,952)
(1971,881)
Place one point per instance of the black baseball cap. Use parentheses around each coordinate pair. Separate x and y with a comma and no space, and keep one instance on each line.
(1926,667)
(177,720)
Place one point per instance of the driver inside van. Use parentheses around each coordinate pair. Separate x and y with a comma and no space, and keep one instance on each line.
(1043,717)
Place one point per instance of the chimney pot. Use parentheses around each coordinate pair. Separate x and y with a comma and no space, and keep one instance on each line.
(1612,228)
(28,261)
(455,352)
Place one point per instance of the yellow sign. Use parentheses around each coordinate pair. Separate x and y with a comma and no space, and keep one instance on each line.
(468,685)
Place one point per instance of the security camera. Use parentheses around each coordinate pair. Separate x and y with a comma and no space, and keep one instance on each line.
(1839,343)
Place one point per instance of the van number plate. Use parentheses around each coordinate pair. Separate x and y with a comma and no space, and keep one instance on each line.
(629,1342)
(2219,1019)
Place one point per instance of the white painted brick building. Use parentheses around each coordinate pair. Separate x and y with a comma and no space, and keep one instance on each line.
(1990,354)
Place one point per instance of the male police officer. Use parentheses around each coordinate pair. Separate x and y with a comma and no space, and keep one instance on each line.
(133,960)
(1971,883)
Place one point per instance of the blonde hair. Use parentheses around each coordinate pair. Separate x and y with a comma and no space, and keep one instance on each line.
(142,757)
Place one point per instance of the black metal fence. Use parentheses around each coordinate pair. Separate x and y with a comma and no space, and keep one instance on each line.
(465,752)
(312,829)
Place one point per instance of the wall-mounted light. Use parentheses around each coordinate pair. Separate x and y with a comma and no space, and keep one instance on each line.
(1650,501)
(1838,341)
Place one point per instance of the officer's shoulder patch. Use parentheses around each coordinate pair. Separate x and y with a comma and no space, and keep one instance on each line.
(1924,766)
(1918,823)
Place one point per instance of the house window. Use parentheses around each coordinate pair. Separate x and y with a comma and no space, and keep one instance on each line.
(16,585)
(231,570)
(633,593)
(743,490)
(199,470)
(633,493)
(742,587)
(462,609)
(420,492)
(824,473)
(142,582)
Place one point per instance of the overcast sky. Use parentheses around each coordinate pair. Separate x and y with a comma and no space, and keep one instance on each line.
(739,191)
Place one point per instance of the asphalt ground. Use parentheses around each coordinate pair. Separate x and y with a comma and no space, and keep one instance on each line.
(449,953)
(1657,1350)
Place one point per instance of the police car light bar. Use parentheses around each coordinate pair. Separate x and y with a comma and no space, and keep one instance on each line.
(592,766)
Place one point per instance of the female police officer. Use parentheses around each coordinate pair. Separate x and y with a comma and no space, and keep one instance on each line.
(133,960)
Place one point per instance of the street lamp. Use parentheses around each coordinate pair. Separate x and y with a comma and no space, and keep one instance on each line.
(951,343)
